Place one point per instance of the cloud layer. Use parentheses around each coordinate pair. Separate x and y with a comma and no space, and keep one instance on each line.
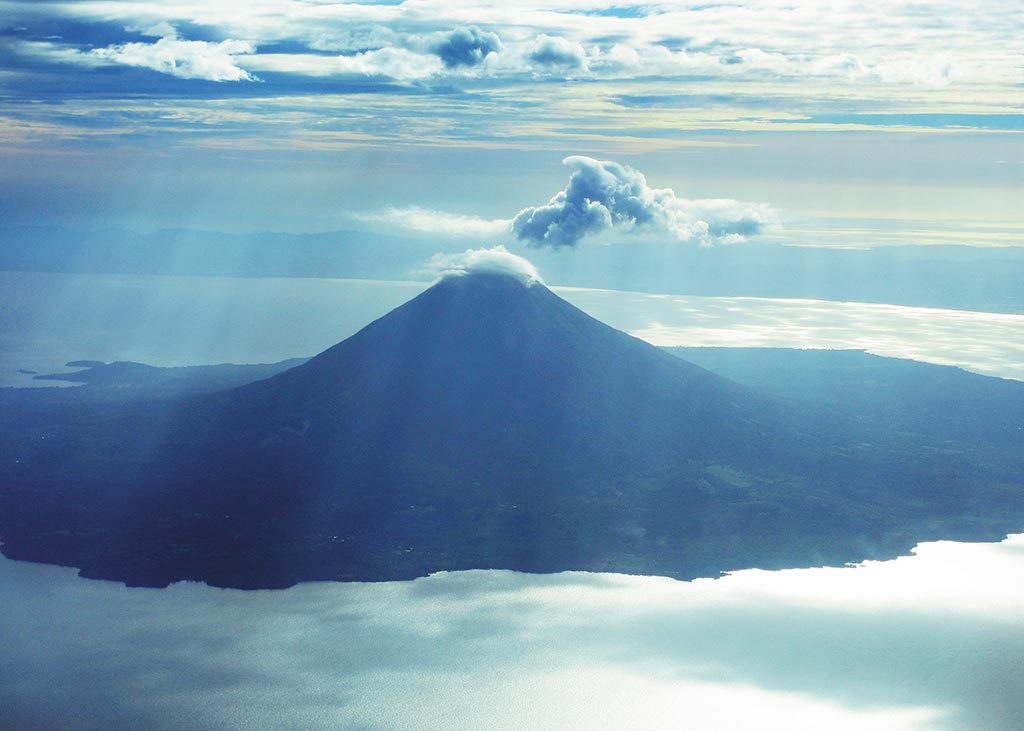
(757,39)
(411,80)
(603,196)
(484,261)
(931,641)
(417,218)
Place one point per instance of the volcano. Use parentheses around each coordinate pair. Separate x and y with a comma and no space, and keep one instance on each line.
(487,423)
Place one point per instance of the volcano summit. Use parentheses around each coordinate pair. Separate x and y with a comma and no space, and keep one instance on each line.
(487,423)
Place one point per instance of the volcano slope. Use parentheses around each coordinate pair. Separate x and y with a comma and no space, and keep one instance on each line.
(487,423)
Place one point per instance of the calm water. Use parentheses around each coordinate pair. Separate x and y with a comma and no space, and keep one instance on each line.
(931,641)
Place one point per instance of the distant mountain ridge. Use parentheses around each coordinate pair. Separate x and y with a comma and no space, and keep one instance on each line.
(485,424)
(945,276)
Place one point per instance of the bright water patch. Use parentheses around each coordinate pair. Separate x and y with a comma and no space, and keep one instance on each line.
(929,641)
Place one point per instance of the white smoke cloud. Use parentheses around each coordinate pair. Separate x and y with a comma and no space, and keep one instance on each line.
(417,218)
(487,261)
(604,195)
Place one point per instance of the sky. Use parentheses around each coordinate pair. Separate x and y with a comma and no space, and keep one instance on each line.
(706,124)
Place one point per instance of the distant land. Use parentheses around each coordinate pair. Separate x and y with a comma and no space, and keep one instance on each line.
(953,277)
(125,379)
(490,424)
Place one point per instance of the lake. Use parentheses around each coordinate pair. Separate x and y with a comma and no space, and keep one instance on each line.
(49,319)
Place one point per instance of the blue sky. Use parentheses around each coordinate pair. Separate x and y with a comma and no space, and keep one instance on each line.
(859,125)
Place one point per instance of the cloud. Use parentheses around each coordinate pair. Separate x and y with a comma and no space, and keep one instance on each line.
(400,64)
(603,195)
(184,59)
(934,71)
(466,47)
(424,219)
(204,60)
(558,53)
(486,261)
(409,57)
(931,640)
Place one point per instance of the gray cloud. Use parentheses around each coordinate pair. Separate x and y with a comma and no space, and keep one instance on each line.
(604,195)
(466,47)
(557,52)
